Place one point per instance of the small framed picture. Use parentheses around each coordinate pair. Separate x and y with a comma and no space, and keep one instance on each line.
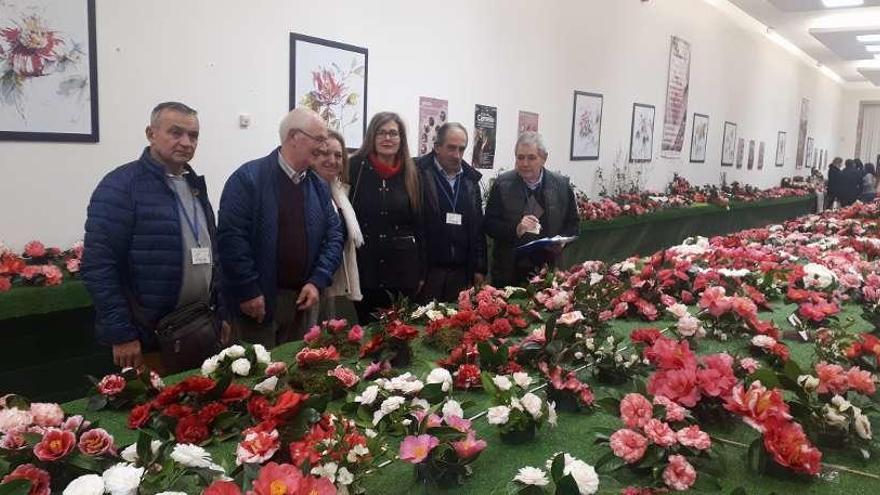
(728,145)
(699,138)
(641,147)
(780,148)
(586,126)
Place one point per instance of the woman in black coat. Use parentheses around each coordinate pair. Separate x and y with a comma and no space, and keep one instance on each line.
(386,195)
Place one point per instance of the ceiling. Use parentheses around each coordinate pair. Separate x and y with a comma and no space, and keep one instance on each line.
(826,35)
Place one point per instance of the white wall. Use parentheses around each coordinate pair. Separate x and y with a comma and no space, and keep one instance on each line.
(227,57)
(849,117)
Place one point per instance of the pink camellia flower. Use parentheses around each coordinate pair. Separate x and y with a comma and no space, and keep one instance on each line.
(860,380)
(355,334)
(14,418)
(415,449)
(832,379)
(53,274)
(679,385)
(347,377)
(313,334)
(276,368)
(74,423)
(35,249)
(674,412)
(96,442)
(257,447)
(40,480)
(715,301)
(55,445)
(716,378)
(635,410)
(72,265)
(679,474)
(433,421)
(5,284)
(749,365)
(571,318)
(47,414)
(628,445)
(337,325)
(470,447)
(111,385)
(693,436)
(14,439)
(375,368)
(459,424)
(660,433)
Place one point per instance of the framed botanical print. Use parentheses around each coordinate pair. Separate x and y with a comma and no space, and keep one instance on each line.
(641,146)
(586,126)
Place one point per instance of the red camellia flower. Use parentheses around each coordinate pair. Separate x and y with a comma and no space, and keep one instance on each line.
(235,392)
(197,384)
(467,376)
(139,416)
(54,445)
(111,385)
(5,284)
(679,385)
(222,488)
(789,446)
(96,442)
(177,411)
(35,249)
(287,405)
(278,479)
(258,407)
(210,412)
(401,331)
(168,395)
(39,479)
(645,335)
(191,429)
(757,405)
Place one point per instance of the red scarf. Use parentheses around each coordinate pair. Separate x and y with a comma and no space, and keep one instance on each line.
(385,170)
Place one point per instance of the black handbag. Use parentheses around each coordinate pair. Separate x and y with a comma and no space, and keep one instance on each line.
(187,336)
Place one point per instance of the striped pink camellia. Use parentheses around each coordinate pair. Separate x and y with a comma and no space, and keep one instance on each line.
(96,442)
(415,449)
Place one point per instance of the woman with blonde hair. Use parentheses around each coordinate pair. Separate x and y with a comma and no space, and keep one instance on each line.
(387,198)
(333,168)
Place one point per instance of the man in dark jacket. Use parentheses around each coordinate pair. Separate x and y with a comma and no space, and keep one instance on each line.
(280,238)
(524,205)
(833,179)
(453,217)
(849,183)
(150,238)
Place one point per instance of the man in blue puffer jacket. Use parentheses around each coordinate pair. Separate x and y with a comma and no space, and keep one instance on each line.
(280,237)
(150,238)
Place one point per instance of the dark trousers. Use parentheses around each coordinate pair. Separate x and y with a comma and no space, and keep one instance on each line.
(377,299)
(443,284)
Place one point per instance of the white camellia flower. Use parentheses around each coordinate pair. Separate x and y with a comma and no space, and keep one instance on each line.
(356,452)
(130,453)
(498,415)
(551,413)
(595,278)
(192,456)
(90,484)
(522,379)
(266,386)
(532,403)
(808,382)
(862,426)
(584,476)
(763,341)
(233,352)
(442,376)
(210,365)
(678,310)
(344,476)
(392,404)
(420,403)
(834,418)
(326,471)
(241,367)
(532,476)
(263,356)
(122,479)
(502,382)
(368,396)
(817,276)
(841,403)
(452,408)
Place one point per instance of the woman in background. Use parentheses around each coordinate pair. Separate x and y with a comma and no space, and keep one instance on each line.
(333,168)
(869,184)
(387,197)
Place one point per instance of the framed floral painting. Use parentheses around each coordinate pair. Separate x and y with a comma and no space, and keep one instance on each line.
(48,71)
(331,78)
(586,126)
(641,143)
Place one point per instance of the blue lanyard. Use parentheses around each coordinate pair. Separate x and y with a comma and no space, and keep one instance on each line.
(453,200)
(193,225)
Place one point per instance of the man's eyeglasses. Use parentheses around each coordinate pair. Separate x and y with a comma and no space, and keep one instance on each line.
(317,139)
(392,134)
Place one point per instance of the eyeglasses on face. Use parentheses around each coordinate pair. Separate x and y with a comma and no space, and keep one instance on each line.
(317,139)
(390,134)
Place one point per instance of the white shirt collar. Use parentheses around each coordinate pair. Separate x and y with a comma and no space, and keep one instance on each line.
(295,176)
(537,183)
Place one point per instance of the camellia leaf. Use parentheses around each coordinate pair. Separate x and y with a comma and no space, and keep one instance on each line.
(15,487)
(766,376)
(557,467)
(567,486)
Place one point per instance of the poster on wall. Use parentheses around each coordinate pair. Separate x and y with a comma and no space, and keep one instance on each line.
(780,148)
(699,138)
(803,121)
(740,150)
(677,85)
(808,155)
(528,122)
(751,163)
(485,123)
(641,144)
(433,113)
(761,156)
(48,71)
(586,126)
(728,145)
(331,78)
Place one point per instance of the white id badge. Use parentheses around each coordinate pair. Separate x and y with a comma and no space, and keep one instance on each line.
(201,256)
(453,218)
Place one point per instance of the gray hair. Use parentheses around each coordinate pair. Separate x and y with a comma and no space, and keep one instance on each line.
(530,138)
(175,106)
(444,129)
(296,119)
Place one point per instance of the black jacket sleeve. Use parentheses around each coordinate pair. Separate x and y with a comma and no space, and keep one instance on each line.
(477,256)
(496,226)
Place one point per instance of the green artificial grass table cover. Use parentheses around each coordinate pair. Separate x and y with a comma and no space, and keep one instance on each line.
(498,463)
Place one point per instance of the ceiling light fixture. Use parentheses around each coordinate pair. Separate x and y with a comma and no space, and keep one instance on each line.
(868,38)
(832,4)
